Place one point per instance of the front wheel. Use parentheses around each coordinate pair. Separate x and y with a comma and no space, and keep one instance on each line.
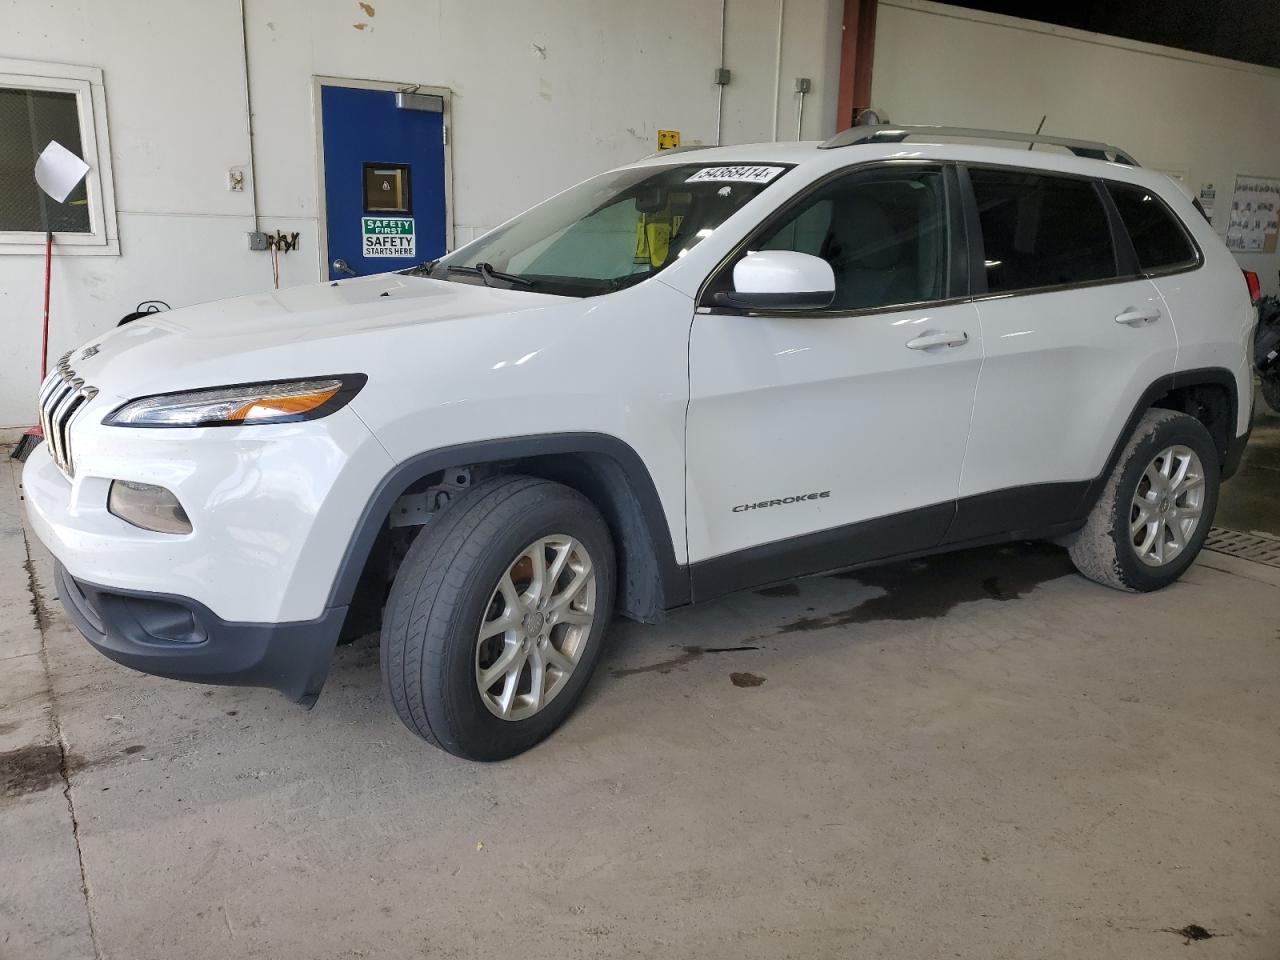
(497,616)
(1154,513)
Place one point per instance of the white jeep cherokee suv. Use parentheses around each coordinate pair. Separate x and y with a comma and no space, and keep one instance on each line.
(702,372)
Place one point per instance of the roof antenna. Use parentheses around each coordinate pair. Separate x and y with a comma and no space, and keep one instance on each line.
(1032,145)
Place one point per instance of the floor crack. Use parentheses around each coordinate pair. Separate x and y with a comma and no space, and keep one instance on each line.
(40,613)
(65,773)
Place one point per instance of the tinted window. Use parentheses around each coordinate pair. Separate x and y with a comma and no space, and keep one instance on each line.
(884,232)
(1041,231)
(1158,239)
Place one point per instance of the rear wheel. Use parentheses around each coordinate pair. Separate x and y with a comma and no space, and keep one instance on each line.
(1155,511)
(496,618)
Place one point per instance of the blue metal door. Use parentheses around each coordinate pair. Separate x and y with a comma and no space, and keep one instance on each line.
(383,179)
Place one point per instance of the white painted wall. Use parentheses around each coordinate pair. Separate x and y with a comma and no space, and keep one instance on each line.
(545,93)
(608,75)
(1205,118)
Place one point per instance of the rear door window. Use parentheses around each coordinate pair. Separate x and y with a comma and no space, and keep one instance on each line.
(1158,238)
(1040,230)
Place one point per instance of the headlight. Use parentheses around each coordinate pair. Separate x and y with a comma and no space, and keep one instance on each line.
(246,403)
(147,506)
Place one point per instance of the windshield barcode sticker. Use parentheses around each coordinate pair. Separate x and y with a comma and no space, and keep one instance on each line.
(735,174)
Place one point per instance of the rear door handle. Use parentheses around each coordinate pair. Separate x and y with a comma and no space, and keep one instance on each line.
(1136,318)
(340,266)
(939,338)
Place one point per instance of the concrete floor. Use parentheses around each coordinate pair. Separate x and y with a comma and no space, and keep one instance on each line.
(979,756)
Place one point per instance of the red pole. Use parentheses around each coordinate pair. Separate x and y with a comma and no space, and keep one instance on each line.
(48,271)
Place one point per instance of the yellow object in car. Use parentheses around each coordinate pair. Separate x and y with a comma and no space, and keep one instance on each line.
(653,237)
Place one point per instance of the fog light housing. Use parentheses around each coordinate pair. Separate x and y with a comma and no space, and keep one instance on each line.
(147,506)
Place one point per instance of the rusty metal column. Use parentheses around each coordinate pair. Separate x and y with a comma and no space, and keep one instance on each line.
(857,54)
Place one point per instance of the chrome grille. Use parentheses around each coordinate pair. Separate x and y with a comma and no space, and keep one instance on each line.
(62,396)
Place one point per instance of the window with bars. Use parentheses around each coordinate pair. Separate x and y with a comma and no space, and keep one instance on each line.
(41,102)
(29,119)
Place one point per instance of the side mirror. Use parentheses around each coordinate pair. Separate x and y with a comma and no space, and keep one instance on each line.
(780,280)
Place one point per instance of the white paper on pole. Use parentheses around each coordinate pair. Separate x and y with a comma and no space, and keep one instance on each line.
(58,170)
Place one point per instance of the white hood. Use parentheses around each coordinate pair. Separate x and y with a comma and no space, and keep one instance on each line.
(285,333)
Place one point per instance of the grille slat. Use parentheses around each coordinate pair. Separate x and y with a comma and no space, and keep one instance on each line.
(62,396)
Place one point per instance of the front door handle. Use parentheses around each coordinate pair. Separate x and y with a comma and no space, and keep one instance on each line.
(939,338)
(1136,318)
(340,266)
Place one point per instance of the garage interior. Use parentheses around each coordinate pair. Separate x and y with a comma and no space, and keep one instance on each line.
(978,754)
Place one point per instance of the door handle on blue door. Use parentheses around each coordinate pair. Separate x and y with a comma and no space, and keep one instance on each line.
(938,338)
(340,266)
(1136,318)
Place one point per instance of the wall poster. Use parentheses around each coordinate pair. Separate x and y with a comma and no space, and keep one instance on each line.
(1252,227)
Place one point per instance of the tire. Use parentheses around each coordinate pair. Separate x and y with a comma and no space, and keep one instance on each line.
(1271,392)
(447,590)
(1105,550)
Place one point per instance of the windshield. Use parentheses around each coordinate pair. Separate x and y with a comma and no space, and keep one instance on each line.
(611,231)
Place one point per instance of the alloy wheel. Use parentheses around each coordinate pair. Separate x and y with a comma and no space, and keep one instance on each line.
(536,627)
(1167,506)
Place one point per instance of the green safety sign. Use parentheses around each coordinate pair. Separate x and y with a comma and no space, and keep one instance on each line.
(388,236)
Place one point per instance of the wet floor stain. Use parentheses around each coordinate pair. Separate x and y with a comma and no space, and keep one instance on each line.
(781,590)
(1192,931)
(31,769)
(746,679)
(933,586)
(136,748)
(40,615)
(666,666)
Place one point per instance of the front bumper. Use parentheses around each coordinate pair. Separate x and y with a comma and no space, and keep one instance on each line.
(273,509)
(177,637)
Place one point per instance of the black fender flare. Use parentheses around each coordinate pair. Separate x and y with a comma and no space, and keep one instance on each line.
(1209,376)
(673,580)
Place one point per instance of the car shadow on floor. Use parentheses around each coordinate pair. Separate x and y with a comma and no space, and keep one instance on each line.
(926,588)
(923,589)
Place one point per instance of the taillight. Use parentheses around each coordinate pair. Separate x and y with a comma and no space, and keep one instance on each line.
(1255,288)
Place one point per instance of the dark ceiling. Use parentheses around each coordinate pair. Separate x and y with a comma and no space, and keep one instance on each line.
(1247,30)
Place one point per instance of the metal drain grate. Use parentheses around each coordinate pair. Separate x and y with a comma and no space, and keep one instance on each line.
(1260,548)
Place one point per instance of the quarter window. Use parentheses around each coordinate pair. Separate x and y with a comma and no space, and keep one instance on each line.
(1158,239)
(883,231)
(1041,231)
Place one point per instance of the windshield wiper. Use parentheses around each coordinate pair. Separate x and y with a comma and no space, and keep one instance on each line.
(425,267)
(486,273)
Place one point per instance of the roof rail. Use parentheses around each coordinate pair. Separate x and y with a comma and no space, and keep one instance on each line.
(893,133)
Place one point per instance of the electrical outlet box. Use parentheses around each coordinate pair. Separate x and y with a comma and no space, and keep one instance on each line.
(723,76)
(257,240)
(803,84)
(667,139)
(235,179)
